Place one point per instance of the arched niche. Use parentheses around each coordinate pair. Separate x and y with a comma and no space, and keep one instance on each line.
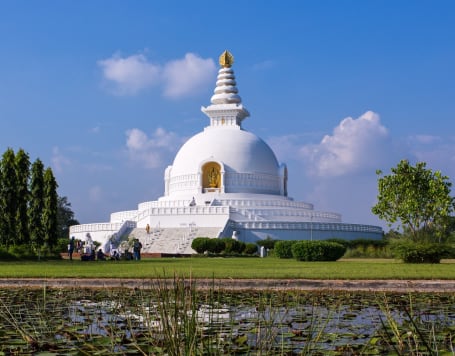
(211,176)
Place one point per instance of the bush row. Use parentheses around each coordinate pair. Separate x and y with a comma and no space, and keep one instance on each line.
(412,252)
(223,246)
(310,250)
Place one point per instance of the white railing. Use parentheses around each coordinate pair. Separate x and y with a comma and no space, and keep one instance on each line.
(120,216)
(184,210)
(306,226)
(281,203)
(102,227)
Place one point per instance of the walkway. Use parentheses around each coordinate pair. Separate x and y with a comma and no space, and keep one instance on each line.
(241,284)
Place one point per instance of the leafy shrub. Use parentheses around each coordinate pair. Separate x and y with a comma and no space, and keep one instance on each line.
(62,244)
(215,245)
(411,252)
(233,246)
(22,252)
(283,249)
(368,248)
(317,251)
(250,249)
(200,244)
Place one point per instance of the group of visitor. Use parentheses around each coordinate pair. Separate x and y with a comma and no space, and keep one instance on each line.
(88,252)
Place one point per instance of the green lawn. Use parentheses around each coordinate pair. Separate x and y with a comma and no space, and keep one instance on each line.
(230,268)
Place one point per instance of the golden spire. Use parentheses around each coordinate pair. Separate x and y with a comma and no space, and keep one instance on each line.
(226,59)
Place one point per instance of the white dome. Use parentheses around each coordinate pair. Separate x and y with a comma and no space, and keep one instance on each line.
(240,151)
(243,157)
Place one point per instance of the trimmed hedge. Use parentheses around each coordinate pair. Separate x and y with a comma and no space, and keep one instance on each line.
(283,249)
(226,246)
(200,244)
(233,246)
(317,251)
(216,245)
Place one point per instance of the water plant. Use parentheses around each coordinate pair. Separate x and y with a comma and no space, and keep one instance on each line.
(175,317)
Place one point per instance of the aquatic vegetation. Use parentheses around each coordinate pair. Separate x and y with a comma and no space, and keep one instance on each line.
(180,319)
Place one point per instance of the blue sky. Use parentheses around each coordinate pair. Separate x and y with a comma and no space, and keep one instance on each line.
(105,92)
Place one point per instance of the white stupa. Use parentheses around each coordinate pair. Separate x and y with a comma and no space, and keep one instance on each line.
(224,182)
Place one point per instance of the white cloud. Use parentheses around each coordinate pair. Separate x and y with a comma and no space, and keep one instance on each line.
(355,145)
(95,130)
(286,146)
(184,76)
(181,77)
(151,151)
(59,160)
(130,74)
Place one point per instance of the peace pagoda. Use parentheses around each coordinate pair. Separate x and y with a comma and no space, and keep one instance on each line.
(224,182)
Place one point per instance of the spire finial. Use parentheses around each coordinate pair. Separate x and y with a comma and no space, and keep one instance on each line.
(226,59)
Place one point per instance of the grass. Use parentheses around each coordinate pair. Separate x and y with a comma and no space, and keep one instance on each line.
(256,268)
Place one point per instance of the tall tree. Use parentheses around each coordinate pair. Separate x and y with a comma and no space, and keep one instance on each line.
(22,165)
(8,198)
(36,204)
(50,197)
(65,217)
(417,198)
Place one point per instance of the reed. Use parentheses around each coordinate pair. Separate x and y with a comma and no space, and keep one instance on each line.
(175,317)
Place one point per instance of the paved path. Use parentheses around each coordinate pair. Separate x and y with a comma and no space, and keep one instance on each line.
(240,284)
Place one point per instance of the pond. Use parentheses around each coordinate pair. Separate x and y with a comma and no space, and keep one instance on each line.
(182,320)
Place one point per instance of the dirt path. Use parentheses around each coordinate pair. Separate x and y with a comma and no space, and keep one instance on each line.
(447,286)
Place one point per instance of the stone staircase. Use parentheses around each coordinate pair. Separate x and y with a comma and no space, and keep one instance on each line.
(172,240)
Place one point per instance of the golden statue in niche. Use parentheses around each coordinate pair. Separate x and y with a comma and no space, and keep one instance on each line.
(213,178)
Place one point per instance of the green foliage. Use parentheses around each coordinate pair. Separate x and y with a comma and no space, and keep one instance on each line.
(317,251)
(65,217)
(224,246)
(31,213)
(62,244)
(206,244)
(215,245)
(250,249)
(411,252)
(8,199)
(5,255)
(22,165)
(268,243)
(49,214)
(200,244)
(283,249)
(345,243)
(36,205)
(233,246)
(22,252)
(416,198)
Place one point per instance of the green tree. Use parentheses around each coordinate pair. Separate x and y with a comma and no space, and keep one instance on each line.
(8,199)
(65,217)
(416,198)
(22,164)
(50,205)
(36,204)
